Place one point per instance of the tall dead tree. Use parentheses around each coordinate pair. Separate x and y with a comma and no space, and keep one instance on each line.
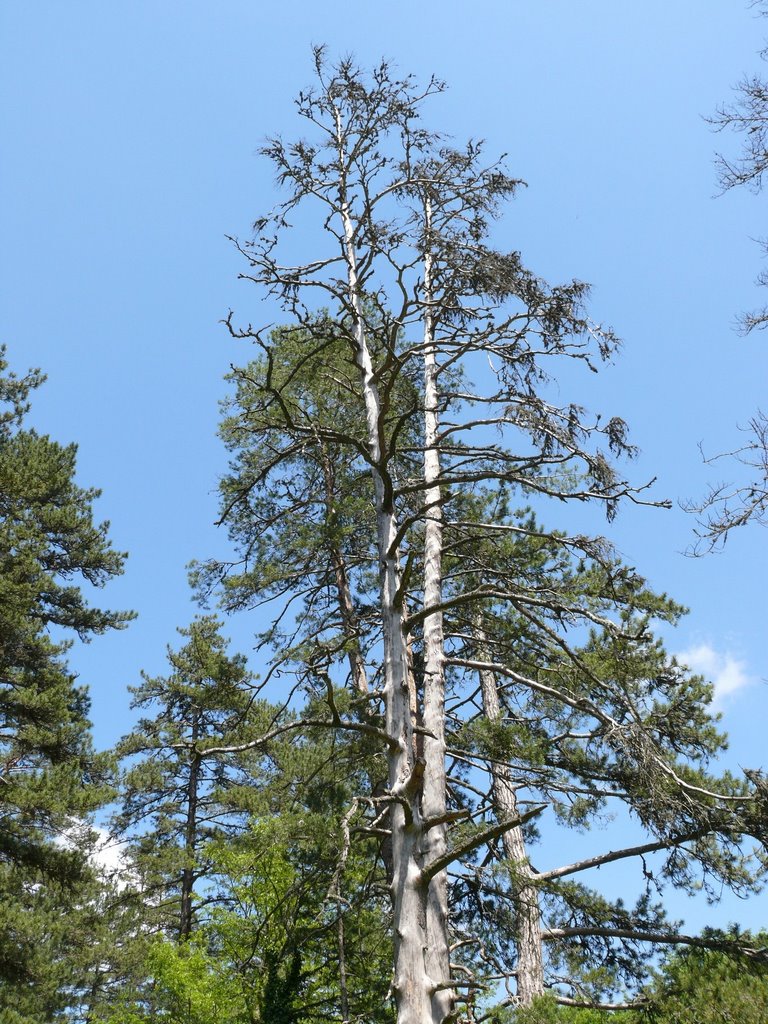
(384,441)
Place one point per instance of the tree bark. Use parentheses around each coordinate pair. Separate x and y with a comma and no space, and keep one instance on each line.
(190,842)
(434,795)
(343,989)
(421,943)
(530,957)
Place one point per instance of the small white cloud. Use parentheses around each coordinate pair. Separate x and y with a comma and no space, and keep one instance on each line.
(727,673)
(108,855)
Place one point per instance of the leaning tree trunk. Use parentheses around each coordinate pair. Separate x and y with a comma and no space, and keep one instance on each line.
(530,961)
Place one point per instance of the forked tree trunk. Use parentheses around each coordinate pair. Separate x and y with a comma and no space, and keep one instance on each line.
(530,961)
(421,985)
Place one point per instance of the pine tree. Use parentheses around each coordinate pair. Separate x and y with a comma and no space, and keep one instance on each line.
(238,812)
(497,730)
(698,985)
(747,117)
(302,914)
(51,778)
(385,448)
(175,798)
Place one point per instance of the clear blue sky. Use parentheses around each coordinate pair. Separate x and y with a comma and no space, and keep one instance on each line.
(128,153)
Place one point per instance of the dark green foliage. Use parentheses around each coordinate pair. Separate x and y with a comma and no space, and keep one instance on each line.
(295,901)
(296,506)
(704,986)
(276,902)
(175,799)
(50,778)
(594,713)
(234,843)
(281,990)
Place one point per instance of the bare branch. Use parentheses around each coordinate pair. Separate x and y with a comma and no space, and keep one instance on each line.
(614,855)
(477,840)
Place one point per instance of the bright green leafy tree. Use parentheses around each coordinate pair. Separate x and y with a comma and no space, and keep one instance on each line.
(290,922)
(300,901)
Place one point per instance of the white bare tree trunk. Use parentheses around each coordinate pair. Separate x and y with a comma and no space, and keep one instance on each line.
(419,949)
(530,961)
(434,795)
